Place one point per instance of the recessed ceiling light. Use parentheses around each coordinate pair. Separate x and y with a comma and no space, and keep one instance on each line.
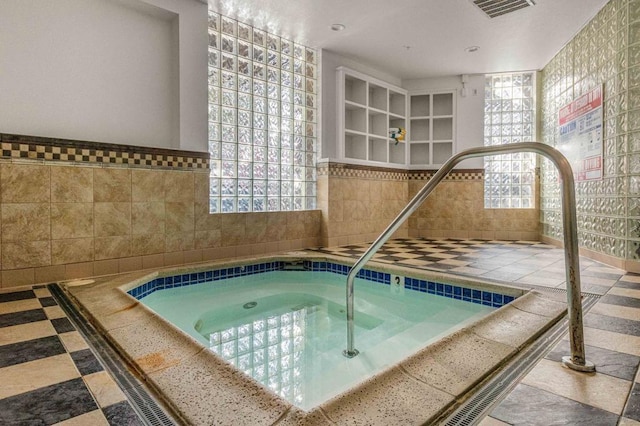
(472,49)
(337,27)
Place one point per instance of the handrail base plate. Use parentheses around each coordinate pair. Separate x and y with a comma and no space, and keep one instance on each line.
(588,366)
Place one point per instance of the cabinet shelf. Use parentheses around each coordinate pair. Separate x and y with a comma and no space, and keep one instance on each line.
(355,90)
(431,128)
(368,108)
(353,105)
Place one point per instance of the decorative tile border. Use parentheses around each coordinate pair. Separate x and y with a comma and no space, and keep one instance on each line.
(50,149)
(481,297)
(369,172)
(456,175)
(363,172)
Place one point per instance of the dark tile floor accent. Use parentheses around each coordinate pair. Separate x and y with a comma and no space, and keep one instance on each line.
(23,317)
(625,284)
(71,395)
(611,363)
(62,325)
(48,405)
(121,414)
(47,301)
(632,410)
(614,299)
(18,295)
(31,350)
(526,405)
(86,362)
(617,325)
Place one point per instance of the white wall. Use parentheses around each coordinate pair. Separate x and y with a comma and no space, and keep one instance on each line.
(104,70)
(469,111)
(192,65)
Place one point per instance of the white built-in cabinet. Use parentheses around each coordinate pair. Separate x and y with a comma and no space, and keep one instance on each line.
(368,107)
(431,128)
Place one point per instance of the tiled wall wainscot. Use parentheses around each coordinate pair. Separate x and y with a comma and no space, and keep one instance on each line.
(360,202)
(63,219)
(455,209)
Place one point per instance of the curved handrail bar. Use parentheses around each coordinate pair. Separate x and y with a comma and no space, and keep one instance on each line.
(577,359)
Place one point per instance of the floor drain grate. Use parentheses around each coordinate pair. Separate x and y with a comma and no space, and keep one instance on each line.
(147,408)
(492,392)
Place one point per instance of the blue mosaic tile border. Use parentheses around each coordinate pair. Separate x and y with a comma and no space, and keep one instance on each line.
(201,277)
(481,297)
(486,298)
(367,274)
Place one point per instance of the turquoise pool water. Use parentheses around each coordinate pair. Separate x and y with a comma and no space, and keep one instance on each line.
(287,329)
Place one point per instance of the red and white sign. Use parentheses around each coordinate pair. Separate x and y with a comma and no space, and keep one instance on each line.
(580,128)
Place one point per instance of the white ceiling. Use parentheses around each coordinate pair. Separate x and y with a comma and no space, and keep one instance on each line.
(436,31)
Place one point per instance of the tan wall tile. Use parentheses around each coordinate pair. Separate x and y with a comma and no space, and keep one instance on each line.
(147,218)
(71,220)
(336,212)
(71,251)
(105,267)
(295,227)
(208,239)
(147,185)
(179,217)
(112,247)
(25,183)
(205,220)
(78,270)
(129,264)
(201,182)
(112,219)
(256,227)
(243,250)
(153,261)
(175,258)
(147,244)
(26,254)
(179,242)
(256,249)
(271,247)
(233,228)
(71,184)
(17,277)
(49,274)
(276,226)
(25,222)
(179,186)
(193,256)
(111,185)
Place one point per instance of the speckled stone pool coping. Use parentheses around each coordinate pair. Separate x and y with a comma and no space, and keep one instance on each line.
(203,389)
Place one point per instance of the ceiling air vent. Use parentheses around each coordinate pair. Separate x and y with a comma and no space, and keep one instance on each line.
(495,8)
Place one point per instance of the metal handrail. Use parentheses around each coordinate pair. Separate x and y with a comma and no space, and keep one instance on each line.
(577,359)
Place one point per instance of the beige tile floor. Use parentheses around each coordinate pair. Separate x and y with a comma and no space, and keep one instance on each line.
(50,376)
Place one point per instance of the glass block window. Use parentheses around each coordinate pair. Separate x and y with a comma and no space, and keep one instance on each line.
(262,119)
(509,116)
